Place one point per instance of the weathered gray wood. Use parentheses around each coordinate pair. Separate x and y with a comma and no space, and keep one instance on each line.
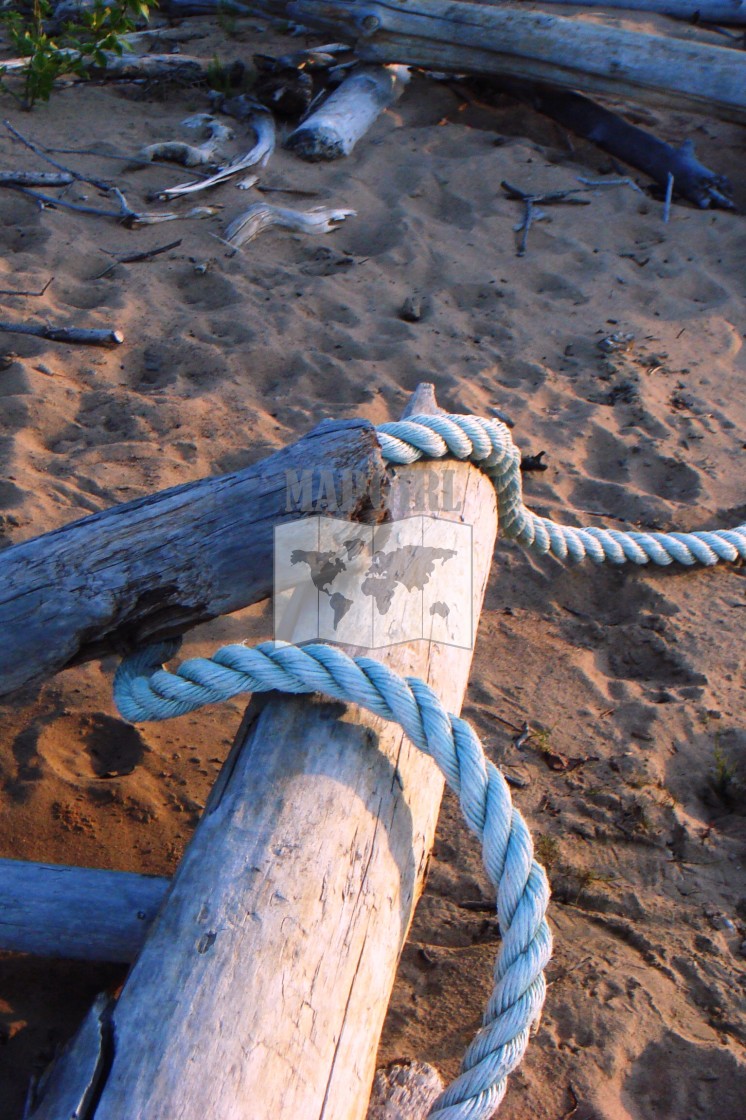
(506,40)
(159,565)
(262,987)
(708,11)
(335,128)
(80,913)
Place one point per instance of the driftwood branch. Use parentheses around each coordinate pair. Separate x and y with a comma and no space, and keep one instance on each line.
(263,984)
(533,45)
(264,128)
(157,566)
(77,336)
(35,178)
(262,216)
(334,129)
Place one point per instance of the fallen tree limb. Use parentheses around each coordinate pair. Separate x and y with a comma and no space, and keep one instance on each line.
(334,129)
(136,67)
(571,54)
(699,11)
(77,336)
(79,913)
(627,142)
(157,566)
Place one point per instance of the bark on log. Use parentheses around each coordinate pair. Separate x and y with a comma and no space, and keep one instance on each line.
(159,565)
(79,913)
(704,11)
(262,988)
(335,128)
(537,46)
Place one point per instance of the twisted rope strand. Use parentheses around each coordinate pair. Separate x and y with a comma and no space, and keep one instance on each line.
(489,444)
(143,690)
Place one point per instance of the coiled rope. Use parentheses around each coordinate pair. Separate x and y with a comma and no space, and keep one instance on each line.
(143,690)
(489,445)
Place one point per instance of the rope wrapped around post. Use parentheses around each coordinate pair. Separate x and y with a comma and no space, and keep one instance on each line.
(489,445)
(143,690)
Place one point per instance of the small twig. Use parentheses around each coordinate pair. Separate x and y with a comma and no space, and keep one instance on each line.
(131,258)
(11,292)
(527,219)
(669,196)
(77,335)
(288,190)
(523,737)
(625,182)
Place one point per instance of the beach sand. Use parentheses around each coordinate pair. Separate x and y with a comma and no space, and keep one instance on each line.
(633,783)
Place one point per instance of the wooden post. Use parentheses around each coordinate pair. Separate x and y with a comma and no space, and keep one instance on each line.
(533,45)
(261,991)
(335,128)
(155,567)
(80,913)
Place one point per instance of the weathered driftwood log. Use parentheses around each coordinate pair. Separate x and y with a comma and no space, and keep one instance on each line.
(706,11)
(572,54)
(80,913)
(164,563)
(262,987)
(633,145)
(35,178)
(335,128)
(79,336)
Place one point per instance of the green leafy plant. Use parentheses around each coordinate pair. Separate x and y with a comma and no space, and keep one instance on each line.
(73,48)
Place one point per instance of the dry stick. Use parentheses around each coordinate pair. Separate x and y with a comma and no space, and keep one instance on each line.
(35,178)
(78,335)
(131,258)
(669,196)
(11,292)
(531,199)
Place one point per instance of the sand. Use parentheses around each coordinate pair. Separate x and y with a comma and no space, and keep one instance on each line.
(639,672)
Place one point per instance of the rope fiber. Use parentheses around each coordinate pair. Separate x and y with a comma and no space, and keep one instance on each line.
(143,690)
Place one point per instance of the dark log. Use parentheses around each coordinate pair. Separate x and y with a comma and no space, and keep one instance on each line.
(627,142)
(157,566)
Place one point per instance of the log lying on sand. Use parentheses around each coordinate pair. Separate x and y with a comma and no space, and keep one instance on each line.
(334,129)
(263,985)
(177,67)
(78,336)
(79,913)
(571,54)
(159,565)
(627,142)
